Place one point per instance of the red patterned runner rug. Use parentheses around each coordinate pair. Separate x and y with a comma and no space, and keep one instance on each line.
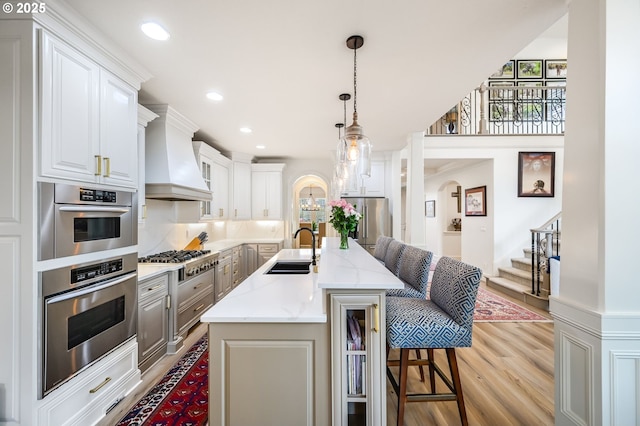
(492,308)
(181,397)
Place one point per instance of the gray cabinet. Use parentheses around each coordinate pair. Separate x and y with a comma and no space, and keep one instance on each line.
(251,258)
(266,252)
(223,281)
(195,296)
(153,320)
(238,268)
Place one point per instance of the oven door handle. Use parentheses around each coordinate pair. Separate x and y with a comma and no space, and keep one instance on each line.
(94,209)
(91,289)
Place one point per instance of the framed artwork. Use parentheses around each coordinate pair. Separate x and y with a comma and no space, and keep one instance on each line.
(505,72)
(495,91)
(500,111)
(530,68)
(430,208)
(555,69)
(475,201)
(530,93)
(536,174)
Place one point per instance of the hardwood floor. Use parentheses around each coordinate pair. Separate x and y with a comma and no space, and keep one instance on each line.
(507,379)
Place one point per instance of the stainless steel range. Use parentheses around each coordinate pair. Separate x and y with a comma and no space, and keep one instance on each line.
(191,289)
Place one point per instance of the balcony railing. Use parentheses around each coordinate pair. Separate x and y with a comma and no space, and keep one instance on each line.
(533,109)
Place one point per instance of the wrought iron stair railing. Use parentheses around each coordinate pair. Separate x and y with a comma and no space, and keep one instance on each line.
(506,110)
(545,243)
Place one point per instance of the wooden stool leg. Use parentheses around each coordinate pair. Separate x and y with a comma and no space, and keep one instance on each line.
(457,384)
(432,370)
(402,378)
(418,356)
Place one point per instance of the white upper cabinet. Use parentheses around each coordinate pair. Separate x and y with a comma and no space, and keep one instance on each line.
(215,172)
(241,191)
(89,119)
(266,187)
(372,186)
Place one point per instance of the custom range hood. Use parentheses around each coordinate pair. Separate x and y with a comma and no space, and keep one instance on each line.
(171,168)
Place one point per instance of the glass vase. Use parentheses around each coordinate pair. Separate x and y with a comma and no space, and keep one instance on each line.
(344,240)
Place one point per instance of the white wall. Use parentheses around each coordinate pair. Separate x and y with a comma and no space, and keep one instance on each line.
(491,241)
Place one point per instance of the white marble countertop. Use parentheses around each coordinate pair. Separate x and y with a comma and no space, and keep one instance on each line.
(273,298)
(150,270)
(354,268)
(300,298)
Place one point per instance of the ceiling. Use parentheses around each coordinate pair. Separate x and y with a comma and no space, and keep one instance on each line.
(281,64)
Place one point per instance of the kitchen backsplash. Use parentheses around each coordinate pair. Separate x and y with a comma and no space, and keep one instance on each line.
(160,231)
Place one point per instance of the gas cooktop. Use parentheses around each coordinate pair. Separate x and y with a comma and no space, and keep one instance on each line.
(174,256)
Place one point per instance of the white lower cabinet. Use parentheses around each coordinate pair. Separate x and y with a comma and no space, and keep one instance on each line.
(266,252)
(86,398)
(358,366)
(153,320)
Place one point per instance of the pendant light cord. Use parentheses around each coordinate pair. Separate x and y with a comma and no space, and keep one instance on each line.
(355,84)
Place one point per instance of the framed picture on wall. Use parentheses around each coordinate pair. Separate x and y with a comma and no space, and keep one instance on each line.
(536,174)
(530,68)
(430,208)
(555,69)
(475,201)
(505,72)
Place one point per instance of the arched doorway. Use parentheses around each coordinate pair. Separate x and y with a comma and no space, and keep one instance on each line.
(309,209)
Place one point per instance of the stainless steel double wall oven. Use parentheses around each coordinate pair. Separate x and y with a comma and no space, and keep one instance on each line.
(88,308)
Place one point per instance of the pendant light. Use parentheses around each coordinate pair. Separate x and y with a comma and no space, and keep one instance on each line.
(357,144)
(310,205)
(343,147)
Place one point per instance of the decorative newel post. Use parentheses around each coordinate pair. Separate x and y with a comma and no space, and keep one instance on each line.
(482,123)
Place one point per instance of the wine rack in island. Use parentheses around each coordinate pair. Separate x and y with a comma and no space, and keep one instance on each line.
(357,363)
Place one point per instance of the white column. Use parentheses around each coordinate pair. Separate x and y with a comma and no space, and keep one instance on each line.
(597,310)
(395,197)
(415,233)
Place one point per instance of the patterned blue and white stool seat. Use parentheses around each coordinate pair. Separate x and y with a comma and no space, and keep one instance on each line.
(414,272)
(392,256)
(418,323)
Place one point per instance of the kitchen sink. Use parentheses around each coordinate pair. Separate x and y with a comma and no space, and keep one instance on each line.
(290,267)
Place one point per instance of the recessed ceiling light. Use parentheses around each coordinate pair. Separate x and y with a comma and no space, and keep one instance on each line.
(155,31)
(215,96)
(245,130)
(260,146)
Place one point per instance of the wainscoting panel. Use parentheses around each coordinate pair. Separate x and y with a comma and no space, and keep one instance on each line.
(576,370)
(625,389)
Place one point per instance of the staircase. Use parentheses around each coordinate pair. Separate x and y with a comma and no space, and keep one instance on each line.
(527,278)
(515,281)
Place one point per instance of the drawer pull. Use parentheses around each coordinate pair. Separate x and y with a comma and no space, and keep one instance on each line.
(198,308)
(154,287)
(107,166)
(97,388)
(195,287)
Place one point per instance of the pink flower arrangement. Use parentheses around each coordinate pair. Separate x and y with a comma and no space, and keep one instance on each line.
(344,216)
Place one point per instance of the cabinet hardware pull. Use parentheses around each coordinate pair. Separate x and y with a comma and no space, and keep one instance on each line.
(107,166)
(198,308)
(97,388)
(154,287)
(168,301)
(221,212)
(144,211)
(195,287)
(376,318)
(98,171)
(235,213)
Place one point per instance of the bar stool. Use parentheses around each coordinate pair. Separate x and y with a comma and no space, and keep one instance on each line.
(382,243)
(444,321)
(392,256)
(413,270)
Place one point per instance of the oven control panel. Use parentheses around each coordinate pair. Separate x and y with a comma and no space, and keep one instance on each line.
(97,195)
(90,272)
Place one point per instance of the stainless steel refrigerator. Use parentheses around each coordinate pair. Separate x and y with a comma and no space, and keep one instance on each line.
(375,222)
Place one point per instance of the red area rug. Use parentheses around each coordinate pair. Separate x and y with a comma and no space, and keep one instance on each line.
(181,398)
(492,308)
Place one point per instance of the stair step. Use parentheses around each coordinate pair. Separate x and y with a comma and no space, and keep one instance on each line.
(522,263)
(517,291)
(518,275)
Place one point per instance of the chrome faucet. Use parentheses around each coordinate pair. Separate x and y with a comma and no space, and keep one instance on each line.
(313,243)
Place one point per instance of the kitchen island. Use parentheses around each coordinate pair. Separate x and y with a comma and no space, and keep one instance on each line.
(281,351)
